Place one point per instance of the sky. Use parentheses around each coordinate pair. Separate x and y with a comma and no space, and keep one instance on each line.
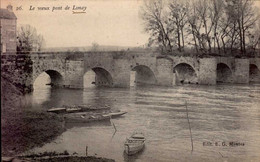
(106,22)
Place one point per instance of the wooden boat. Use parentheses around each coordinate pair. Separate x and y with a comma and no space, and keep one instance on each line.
(64,110)
(134,144)
(84,117)
(80,108)
(91,108)
(115,114)
(73,109)
(57,110)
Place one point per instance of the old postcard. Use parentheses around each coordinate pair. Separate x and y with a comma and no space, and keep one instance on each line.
(130,80)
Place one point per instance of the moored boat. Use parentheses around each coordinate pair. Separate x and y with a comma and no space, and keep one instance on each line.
(80,108)
(134,144)
(84,118)
(92,108)
(115,114)
(73,109)
(57,110)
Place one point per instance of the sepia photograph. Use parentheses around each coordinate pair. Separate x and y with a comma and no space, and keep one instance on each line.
(130,80)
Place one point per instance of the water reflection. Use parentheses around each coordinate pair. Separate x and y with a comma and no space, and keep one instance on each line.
(221,113)
(91,124)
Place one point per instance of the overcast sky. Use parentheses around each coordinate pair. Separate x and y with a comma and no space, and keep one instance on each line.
(110,22)
(106,22)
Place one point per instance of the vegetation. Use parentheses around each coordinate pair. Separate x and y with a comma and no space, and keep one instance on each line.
(95,47)
(28,40)
(23,129)
(204,26)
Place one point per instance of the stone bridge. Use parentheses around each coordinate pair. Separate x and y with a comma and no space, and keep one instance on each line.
(113,69)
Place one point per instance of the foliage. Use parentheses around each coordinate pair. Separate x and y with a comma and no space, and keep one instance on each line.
(215,26)
(95,47)
(28,40)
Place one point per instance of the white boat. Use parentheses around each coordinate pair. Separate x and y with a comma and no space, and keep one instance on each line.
(57,110)
(134,144)
(115,114)
(64,110)
(73,109)
(84,117)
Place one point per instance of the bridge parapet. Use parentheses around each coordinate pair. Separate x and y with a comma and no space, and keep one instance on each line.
(68,68)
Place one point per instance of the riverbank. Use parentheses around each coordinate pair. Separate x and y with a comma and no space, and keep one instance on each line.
(23,129)
(59,159)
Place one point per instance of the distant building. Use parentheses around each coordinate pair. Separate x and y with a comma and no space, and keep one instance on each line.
(8,30)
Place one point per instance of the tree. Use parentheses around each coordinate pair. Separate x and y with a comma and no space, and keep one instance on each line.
(157,24)
(209,25)
(178,18)
(243,16)
(95,47)
(29,40)
(254,37)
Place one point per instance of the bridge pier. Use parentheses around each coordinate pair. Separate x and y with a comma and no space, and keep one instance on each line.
(74,72)
(241,71)
(207,71)
(164,73)
(113,69)
(121,73)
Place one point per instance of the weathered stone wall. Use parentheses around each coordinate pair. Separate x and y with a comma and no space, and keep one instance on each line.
(8,35)
(225,69)
(164,71)
(255,61)
(146,69)
(122,73)
(17,69)
(254,73)
(241,73)
(192,61)
(105,61)
(115,67)
(74,72)
(69,66)
(49,62)
(207,71)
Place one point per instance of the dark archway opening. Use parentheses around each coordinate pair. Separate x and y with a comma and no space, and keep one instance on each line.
(49,78)
(254,74)
(97,77)
(224,74)
(184,74)
(142,75)
(44,83)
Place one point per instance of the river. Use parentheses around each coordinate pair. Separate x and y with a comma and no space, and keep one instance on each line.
(218,115)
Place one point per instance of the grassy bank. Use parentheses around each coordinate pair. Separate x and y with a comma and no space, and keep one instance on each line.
(76,159)
(23,129)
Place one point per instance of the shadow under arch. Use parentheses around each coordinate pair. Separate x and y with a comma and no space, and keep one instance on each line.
(185,74)
(142,75)
(224,73)
(254,74)
(98,76)
(56,79)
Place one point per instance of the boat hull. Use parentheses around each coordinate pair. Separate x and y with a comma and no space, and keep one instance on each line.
(115,114)
(85,119)
(131,150)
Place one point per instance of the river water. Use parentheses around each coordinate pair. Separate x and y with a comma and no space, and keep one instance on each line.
(218,115)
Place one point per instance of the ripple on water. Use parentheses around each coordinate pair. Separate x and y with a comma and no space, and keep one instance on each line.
(223,113)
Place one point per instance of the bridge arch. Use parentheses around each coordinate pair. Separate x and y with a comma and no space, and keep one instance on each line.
(254,73)
(185,73)
(143,75)
(56,78)
(224,73)
(102,77)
